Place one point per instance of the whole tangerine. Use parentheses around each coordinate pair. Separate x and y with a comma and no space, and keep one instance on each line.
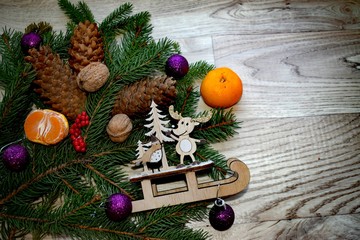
(221,88)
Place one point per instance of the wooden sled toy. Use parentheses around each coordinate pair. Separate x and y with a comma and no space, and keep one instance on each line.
(193,191)
(153,153)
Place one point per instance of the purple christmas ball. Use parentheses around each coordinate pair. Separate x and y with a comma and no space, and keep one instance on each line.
(30,40)
(221,216)
(176,66)
(118,207)
(15,157)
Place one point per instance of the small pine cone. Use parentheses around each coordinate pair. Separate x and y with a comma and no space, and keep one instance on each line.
(56,82)
(135,99)
(86,46)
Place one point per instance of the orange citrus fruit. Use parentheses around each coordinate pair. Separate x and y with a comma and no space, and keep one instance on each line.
(46,126)
(221,88)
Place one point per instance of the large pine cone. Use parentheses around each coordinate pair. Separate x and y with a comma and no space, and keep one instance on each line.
(56,82)
(135,99)
(86,46)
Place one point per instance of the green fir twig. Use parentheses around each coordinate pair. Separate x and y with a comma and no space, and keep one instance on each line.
(77,14)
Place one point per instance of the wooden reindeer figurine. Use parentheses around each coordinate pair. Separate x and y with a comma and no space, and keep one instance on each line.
(186,145)
(151,157)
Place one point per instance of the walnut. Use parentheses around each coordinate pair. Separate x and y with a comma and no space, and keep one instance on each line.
(119,128)
(92,77)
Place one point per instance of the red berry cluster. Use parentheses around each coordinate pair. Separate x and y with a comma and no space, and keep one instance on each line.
(82,120)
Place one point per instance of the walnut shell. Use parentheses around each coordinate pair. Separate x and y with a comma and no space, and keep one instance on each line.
(119,128)
(92,77)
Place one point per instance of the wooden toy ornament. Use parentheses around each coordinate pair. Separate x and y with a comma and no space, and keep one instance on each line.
(194,190)
(186,145)
(150,157)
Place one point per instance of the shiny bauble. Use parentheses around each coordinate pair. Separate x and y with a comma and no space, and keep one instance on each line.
(15,157)
(30,40)
(118,207)
(221,216)
(176,66)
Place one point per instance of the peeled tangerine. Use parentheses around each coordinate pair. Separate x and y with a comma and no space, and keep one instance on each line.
(46,126)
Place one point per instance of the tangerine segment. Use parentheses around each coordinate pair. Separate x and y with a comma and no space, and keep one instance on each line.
(221,88)
(46,126)
(57,130)
(31,125)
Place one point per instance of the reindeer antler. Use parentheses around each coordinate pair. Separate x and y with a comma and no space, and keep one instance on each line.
(174,114)
(205,118)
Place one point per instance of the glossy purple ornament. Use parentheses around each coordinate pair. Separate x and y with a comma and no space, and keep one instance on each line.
(30,40)
(221,215)
(176,66)
(118,207)
(15,157)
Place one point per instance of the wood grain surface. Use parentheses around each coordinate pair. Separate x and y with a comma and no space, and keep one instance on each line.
(300,134)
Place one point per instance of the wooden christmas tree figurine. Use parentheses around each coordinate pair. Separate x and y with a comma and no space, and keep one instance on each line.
(155,153)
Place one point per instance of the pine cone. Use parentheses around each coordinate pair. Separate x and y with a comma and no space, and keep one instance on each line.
(135,99)
(56,83)
(86,46)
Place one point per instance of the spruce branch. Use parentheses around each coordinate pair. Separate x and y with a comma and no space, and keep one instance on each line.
(189,91)
(70,10)
(207,152)
(59,42)
(23,218)
(140,25)
(34,220)
(7,44)
(40,28)
(117,19)
(119,22)
(169,222)
(10,233)
(98,106)
(136,61)
(15,106)
(15,78)
(78,13)
(133,235)
(68,185)
(197,72)
(63,215)
(38,177)
(117,153)
(103,176)
(176,215)
(94,199)
(11,56)
(86,12)
(188,95)
(221,126)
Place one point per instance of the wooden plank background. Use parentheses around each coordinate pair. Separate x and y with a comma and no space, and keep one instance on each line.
(300,65)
